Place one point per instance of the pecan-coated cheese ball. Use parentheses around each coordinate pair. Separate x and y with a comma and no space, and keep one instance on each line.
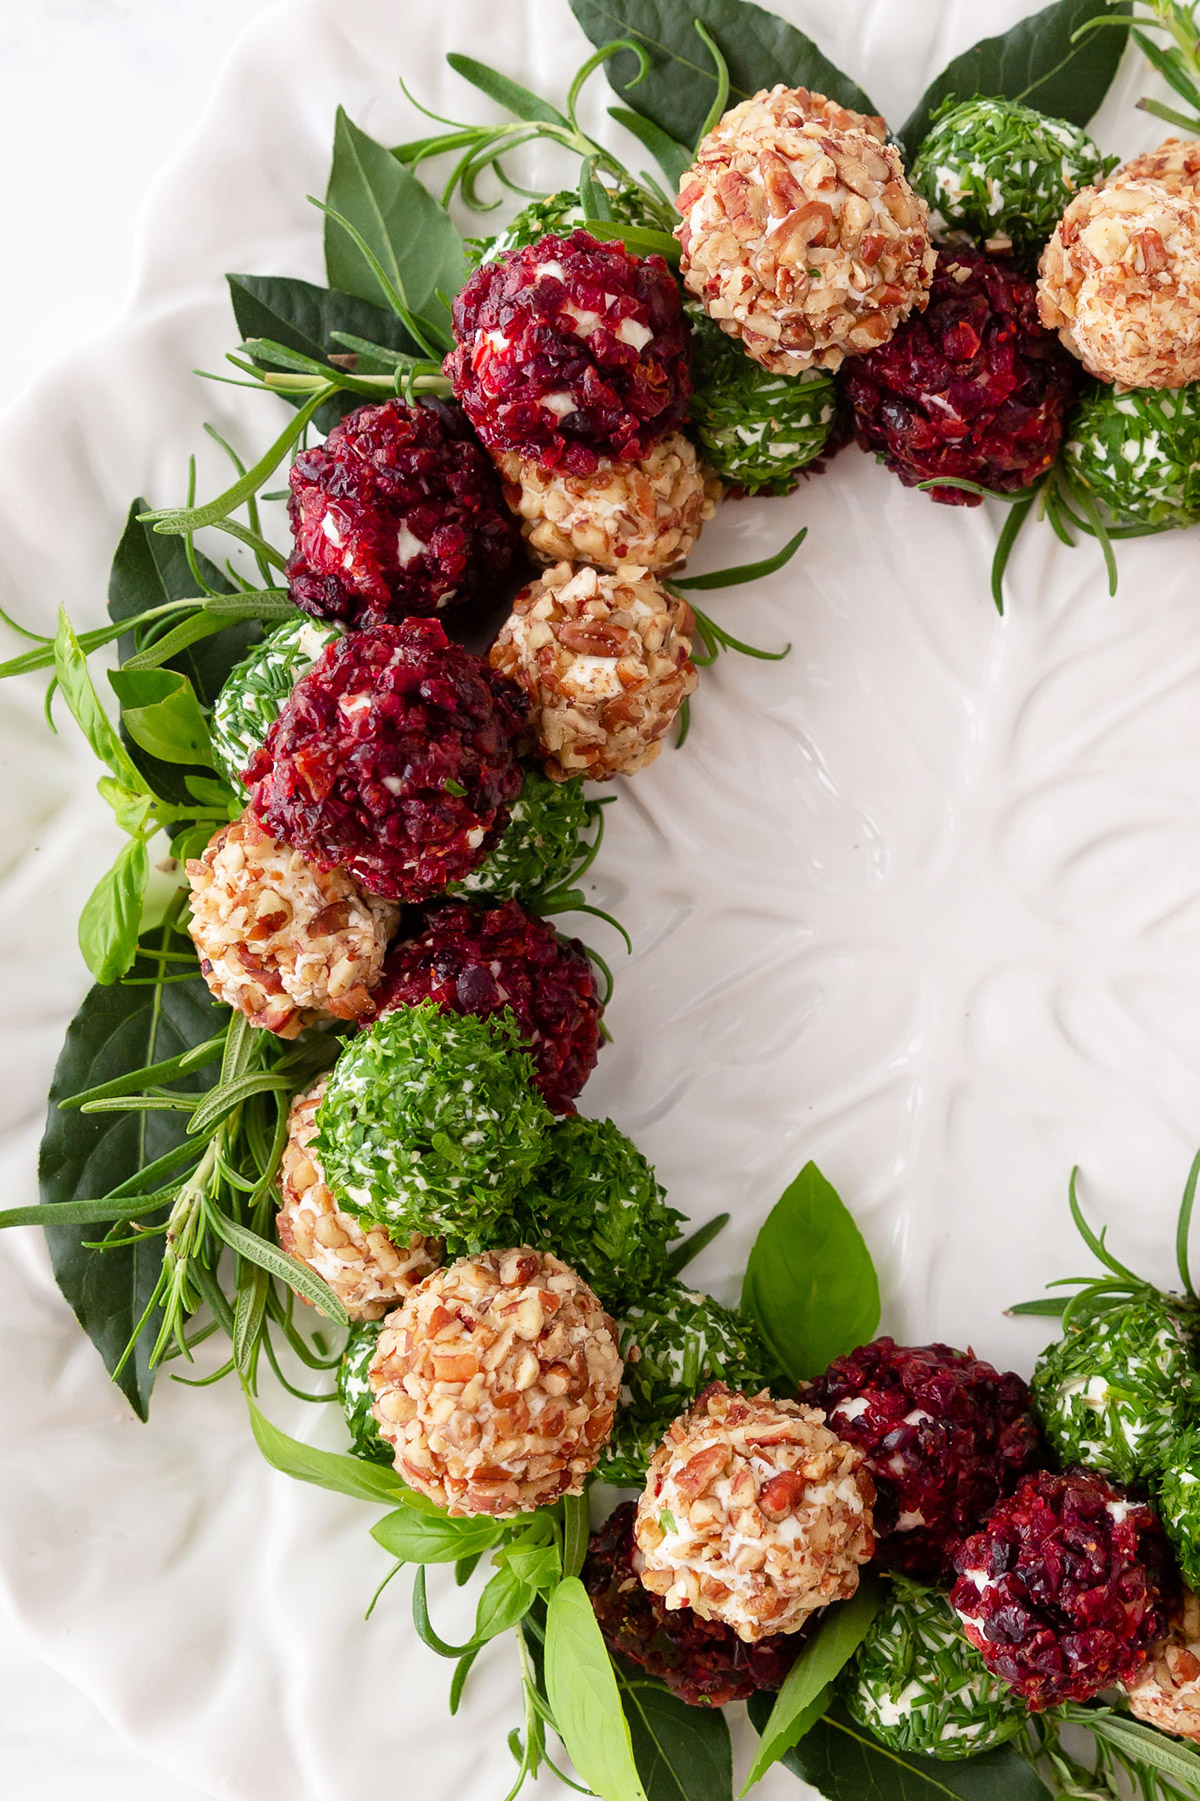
(496,1382)
(605,663)
(754,1514)
(1166,1690)
(282,941)
(368,1271)
(800,234)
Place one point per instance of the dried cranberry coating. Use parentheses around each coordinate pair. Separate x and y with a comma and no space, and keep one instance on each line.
(475,959)
(570,350)
(703,1662)
(945,1437)
(398,512)
(974,386)
(393,758)
(1066,1588)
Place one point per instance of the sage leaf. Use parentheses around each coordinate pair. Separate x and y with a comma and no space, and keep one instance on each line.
(160,712)
(1035,63)
(353,1476)
(810,1284)
(418,1537)
(842,1761)
(679,89)
(409,232)
(112,913)
(581,1686)
(682,1753)
(805,1692)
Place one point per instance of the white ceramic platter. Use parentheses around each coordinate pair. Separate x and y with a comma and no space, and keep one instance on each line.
(921,902)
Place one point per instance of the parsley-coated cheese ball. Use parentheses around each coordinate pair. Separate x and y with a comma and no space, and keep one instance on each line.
(540,848)
(1178,1495)
(1138,450)
(757,430)
(356,1399)
(255,690)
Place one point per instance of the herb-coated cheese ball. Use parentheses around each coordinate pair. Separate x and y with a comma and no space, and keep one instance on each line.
(1003,172)
(675,1342)
(754,1514)
(356,1398)
(800,235)
(757,430)
(254,691)
(1166,1690)
(431,1123)
(540,848)
(1138,450)
(281,941)
(650,512)
(496,1383)
(367,1270)
(605,662)
(920,1687)
(562,213)
(1120,278)
(395,758)
(1178,1495)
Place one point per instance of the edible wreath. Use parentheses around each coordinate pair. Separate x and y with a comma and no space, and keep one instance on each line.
(321,1105)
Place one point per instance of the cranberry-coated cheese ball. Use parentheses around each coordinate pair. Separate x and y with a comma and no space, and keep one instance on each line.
(649,512)
(496,1382)
(394,757)
(605,662)
(1120,278)
(754,1514)
(800,234)
(398,512)
(368,1272)
(570,350)
(284,942)
(1166,1690)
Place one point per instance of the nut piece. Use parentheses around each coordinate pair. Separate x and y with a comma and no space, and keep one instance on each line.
(800,233)
(1166,1690)
(754,1514)
(605,661)
(497,1382)
(649,513)
(1120,278)
(279,940)
(366,1270)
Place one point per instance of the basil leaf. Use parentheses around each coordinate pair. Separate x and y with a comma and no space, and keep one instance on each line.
(70,667)
(581,1687)
(413,1537)
(682,1753)
(112,913)
(160,712)
(844,1763)
(810,1285)
(85,1156)
(805,1692)
(410,233)
(305,317)
(503,1604)
(1035,63)
(353,1476)
(679,89)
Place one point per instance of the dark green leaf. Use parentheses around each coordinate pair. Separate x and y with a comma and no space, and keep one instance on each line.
(160,712)
(844,1763)
(676,95)
(672,158)
(810,1286)
(682,1753)
(510,94)
(84,1156)
(1035,63)
(409,232)
(352,1476)
(112,913)
(504,1602)
(417,1537)
(581,1686)
(804,1695)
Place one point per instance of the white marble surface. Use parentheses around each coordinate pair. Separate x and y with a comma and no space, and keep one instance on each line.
(95,97)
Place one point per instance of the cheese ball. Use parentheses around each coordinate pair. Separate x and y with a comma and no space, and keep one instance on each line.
(1120,278)
(605,662)
(800,234)
(355,1396)
(1138,450)
(543,844)
(649,513)
(496,1383)
(255,690)
(1178,1497)
(757,430)
(283,942)
(365,1268)
(1166,1690)
(754,1514)
(563,212)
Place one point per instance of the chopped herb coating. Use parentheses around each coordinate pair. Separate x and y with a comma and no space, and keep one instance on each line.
(1179,1502)
(757,429)
(559,214)
(999,170)
(542,844)
(355,1394)
(1118,1389)
(433,1117)
(918,1685)
(683,1341)
(598,1205)
(256,688)
(1138,450)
